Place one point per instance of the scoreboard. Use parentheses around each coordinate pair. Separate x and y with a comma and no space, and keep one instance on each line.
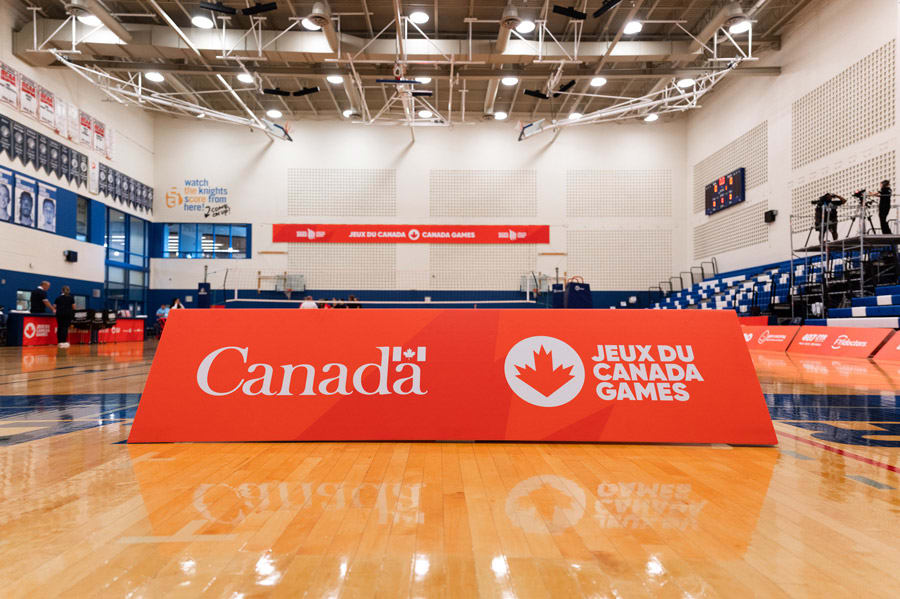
(725,191)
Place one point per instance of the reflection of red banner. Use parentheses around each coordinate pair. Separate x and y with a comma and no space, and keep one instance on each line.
(603,375)
(890,352)
(769,338)
(411,233)
(847,342)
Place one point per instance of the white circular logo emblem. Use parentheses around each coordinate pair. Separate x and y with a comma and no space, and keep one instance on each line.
(29,330)
(414,234)
(544,371)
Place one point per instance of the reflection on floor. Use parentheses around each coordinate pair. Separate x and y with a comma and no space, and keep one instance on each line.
(82,514)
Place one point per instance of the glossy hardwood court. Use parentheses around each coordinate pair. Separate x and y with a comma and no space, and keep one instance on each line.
(84,515)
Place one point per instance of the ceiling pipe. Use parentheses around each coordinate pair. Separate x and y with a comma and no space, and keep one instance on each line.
(321,15)
(727,12)
(109,21)
(490,96)
(509,21)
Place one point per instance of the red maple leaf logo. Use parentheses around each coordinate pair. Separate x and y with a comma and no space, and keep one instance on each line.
(543,378)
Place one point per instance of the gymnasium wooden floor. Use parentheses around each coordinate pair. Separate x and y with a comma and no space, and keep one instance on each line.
(84,515)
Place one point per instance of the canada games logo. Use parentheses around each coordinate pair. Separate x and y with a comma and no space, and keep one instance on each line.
(544,371)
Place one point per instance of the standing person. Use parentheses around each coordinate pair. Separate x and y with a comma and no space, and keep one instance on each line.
(65,312)
(352,302)
(884,205)
(308,303)
(176,304)
(39,301)
(826,213)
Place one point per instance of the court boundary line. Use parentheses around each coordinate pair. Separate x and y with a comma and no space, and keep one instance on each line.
(842,452)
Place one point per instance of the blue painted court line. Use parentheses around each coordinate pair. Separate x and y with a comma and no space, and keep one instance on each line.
(794,454)
(50,415)
(870,482)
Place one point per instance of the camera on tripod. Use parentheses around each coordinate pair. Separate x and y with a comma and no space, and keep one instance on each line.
(825,199)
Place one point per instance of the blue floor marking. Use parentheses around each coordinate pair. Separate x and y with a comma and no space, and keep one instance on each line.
(70,413)
(870,482)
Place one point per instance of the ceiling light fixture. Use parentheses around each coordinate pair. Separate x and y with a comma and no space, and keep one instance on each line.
(425,114)
(525,27)
(419,17)
(347,113)
(273,113)
(202,22)
(154,76)
(633,27)
(685,83)
(651,117)
(500,115)
(739,26)
(245,78)
(598,81)
(423,80)
(335,79)
(574,116)
(89,20)
(508,81)
(309,25)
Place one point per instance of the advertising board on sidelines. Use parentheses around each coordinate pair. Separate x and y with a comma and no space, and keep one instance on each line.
(322,233)
(847,342)
(890,351)
(772,338)
(519,375)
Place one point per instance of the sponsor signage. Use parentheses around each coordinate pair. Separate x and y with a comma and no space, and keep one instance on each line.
(283,233)
(768,338)
(890,351)
(38,330)
(518,375)
(199,195)
(847,342)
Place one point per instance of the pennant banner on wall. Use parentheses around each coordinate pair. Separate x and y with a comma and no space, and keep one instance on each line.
(9,85)
(82,168)
(46,113)
(6,195)
(85,128)
(46,207)
(28,102)
(53,162)
(99,137)
(62,121)
(24,204)
(115,186)
(18,144)
(31,146)
(74,124)
(6,137)
(43,157)
(64,158)
(104,176)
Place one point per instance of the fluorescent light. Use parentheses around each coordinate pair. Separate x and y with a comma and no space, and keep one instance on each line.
(633,27)
(685,83)
(509,80)
(500,116)
(574,116)
(651,117)
(423,80)
(245,78)
(309,25)
(419,17)
(334,79)
(742,26)
(201,115)
(154,76)
(89,20)
(273,113)
(425,114)
(202,22)
(347,113)
(525,27)
(598,81)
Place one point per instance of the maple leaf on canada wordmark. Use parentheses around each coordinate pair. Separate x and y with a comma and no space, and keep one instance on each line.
(543,378)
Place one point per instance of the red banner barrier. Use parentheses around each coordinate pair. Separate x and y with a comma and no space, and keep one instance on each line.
(754,320)
(769,338)
(38,330)
(411,233)
(535,375)
(890,351)
(846,342)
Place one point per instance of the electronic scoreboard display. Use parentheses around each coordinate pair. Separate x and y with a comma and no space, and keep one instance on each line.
(725,191)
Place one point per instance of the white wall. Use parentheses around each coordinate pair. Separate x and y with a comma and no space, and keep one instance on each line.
(254,169)
(31,250)
(830,37)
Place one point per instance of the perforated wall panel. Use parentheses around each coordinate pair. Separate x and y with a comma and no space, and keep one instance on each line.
(844,182)
(341,192)
(854,105)
(345,265)
(737,228)
(597,193)
(620,259)
(483,193)
(490,266)
(750,150)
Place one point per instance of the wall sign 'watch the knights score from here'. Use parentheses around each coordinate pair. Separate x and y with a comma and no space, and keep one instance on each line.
(725,191)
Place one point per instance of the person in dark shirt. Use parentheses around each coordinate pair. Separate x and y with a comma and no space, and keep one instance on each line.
(884,205)
(826,213)
(65,312)
(39,301)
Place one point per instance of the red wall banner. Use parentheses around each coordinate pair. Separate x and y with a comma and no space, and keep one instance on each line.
(847,342)
(411,233)
(38,330)
(769,338)
(890,351)
(525,375)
